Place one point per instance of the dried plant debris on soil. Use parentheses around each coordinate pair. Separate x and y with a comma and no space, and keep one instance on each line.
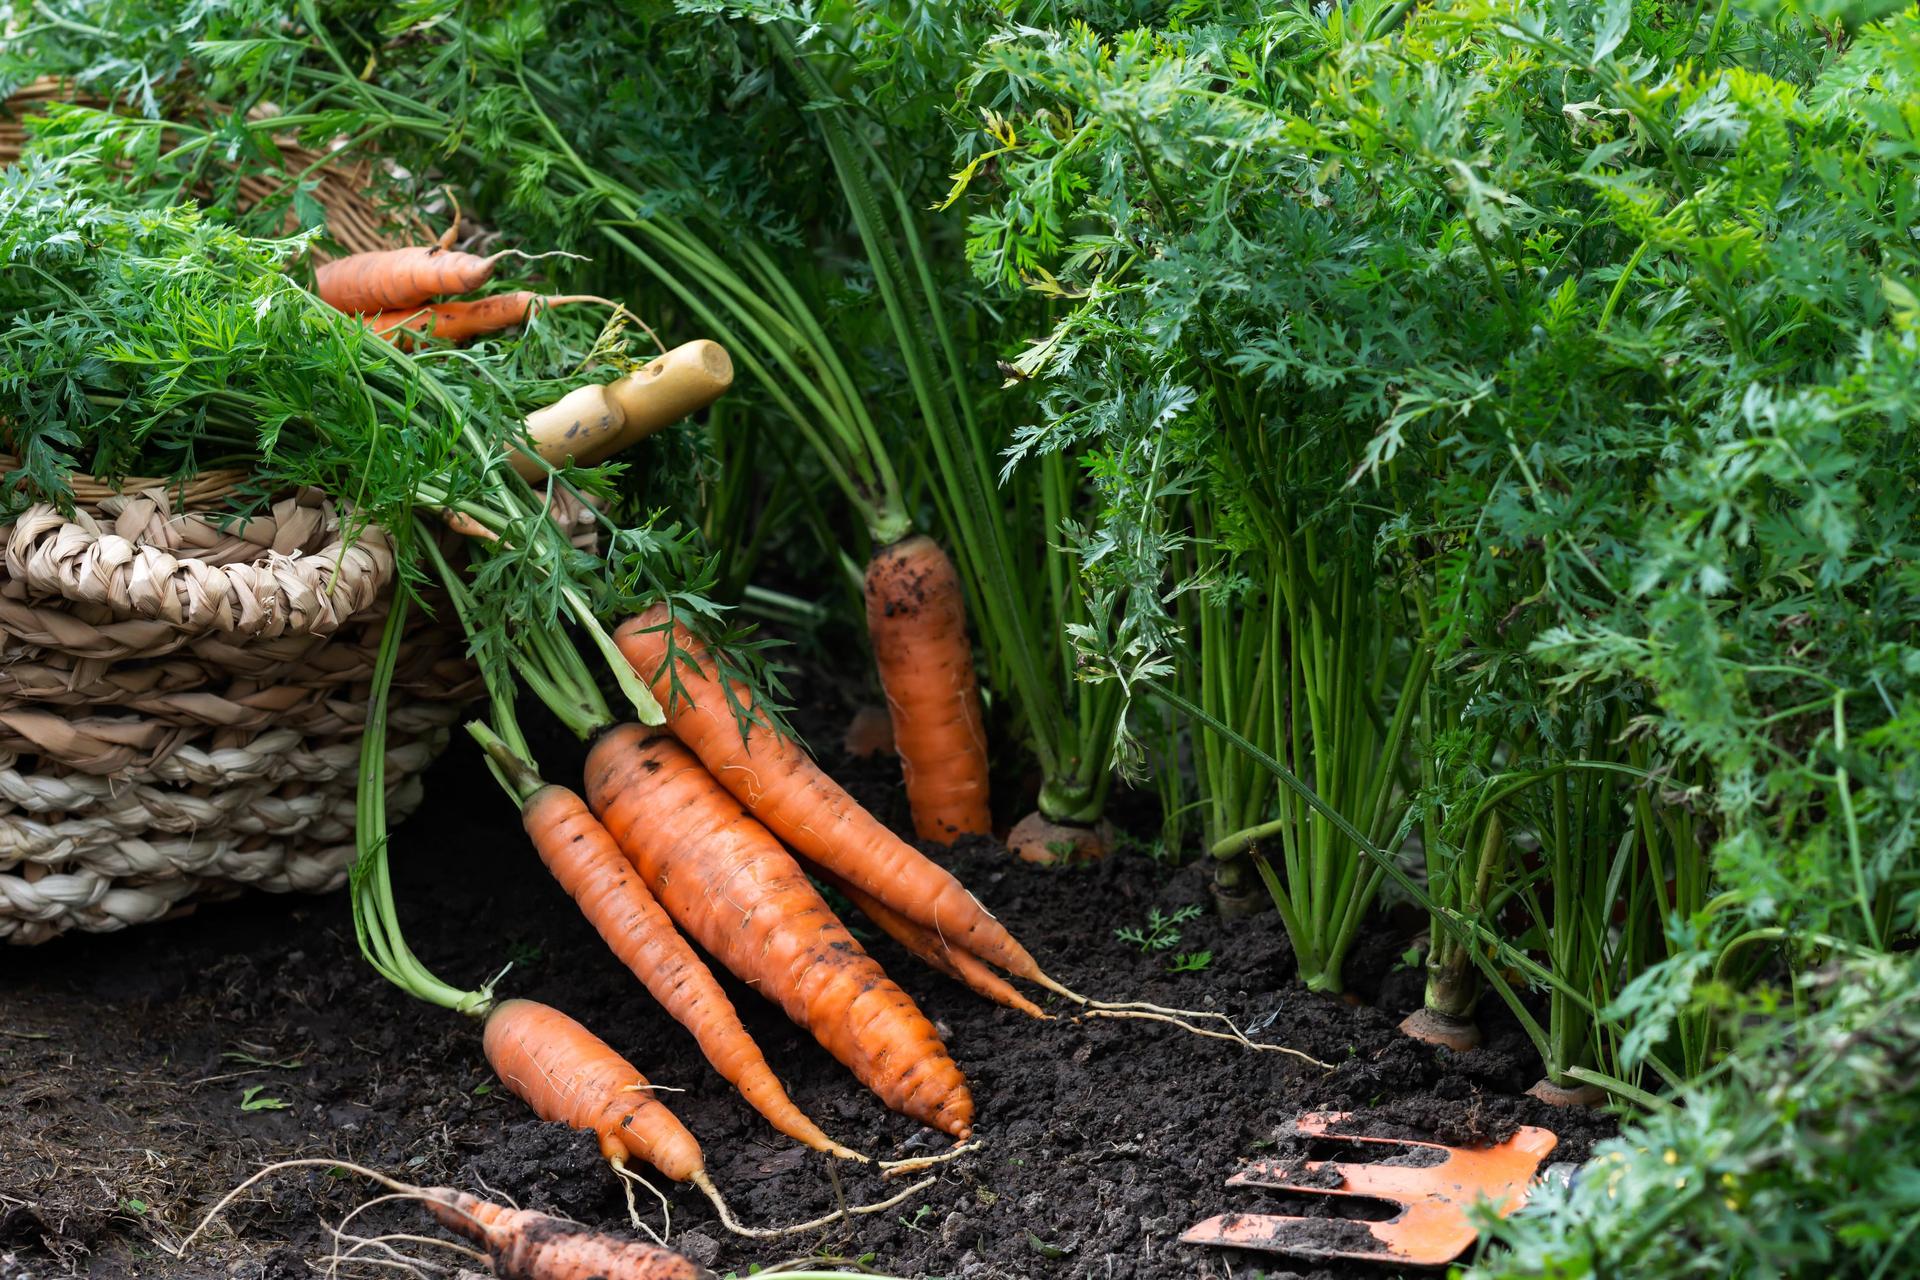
(148,1073)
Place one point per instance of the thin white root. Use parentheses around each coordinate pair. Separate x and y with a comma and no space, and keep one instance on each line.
(1236,1037)
(897,1168)
(340,1231)
(627,1178)
(733,1224)
(391,1184)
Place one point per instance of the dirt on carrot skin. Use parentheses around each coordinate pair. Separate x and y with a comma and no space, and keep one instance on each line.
(147,1073)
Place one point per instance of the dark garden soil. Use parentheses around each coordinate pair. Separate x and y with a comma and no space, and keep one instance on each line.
(143,1075)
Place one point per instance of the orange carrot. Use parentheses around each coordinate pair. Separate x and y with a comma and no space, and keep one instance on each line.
(396,279)
(917,619)
(534,1246)
(567,1074)
(743,898)
(460,321)
(591,868)
(962,966)
(800,804)
(520,1244)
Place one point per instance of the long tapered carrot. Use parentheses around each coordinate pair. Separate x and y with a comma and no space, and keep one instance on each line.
(393,279)
(473,318)
(799,803)
(567,1074)
(962,966)
(917,620)
(727,881)
(589,865)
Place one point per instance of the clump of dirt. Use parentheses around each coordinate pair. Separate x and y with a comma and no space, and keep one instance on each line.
(148,1073)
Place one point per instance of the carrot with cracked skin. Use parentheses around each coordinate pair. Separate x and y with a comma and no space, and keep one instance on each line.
(728,882)
(535,1246)
(800,804)
(589,865)
(520,1244)
(917,619)
(962,966)
(460,321)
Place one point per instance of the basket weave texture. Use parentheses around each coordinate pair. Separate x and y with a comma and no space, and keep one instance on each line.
(182,697)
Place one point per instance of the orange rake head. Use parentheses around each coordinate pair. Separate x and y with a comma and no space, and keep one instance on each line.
(1431,1229)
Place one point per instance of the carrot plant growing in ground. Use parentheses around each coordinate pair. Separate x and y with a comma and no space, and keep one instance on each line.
(1601,356)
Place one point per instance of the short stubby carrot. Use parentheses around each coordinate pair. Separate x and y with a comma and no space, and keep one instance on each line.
(589,865)
(936,952)
(570,1076)
(728,882)
(391,279)
(917,620)
(525,1245)
(800,804)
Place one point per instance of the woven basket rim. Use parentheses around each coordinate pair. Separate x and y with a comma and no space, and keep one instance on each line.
(197,492)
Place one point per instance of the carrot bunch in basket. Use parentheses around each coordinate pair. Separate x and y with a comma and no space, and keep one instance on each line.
(396,292)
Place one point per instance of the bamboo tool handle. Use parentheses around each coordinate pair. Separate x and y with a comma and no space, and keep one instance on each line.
(571,427)
(683,381)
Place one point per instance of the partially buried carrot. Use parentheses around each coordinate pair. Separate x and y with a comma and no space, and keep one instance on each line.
(800,804)
(917,620)
(728,882)
(463,320)
(596,874)
(569,1075)
(960,965)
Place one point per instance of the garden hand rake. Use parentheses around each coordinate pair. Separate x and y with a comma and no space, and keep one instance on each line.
(1432,1227)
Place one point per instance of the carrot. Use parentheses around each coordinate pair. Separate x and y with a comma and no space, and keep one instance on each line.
(567,1074)
(800,804)
(962,966)
(520,1244)
(590,867)
(460,321)
(728,882)
(526,1245)
(397,279)
(917,618)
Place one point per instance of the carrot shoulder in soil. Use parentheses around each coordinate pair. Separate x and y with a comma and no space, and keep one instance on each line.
(800,804)
(743,897)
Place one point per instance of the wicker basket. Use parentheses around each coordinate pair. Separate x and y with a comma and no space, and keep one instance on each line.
(181,704)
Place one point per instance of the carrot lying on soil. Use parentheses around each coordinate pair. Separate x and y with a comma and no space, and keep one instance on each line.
(917,618)
(520,1244)
(462,320)
(800,804)
(962,966)
(589,865)
(569,1075)
(787,791)
(727,881)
